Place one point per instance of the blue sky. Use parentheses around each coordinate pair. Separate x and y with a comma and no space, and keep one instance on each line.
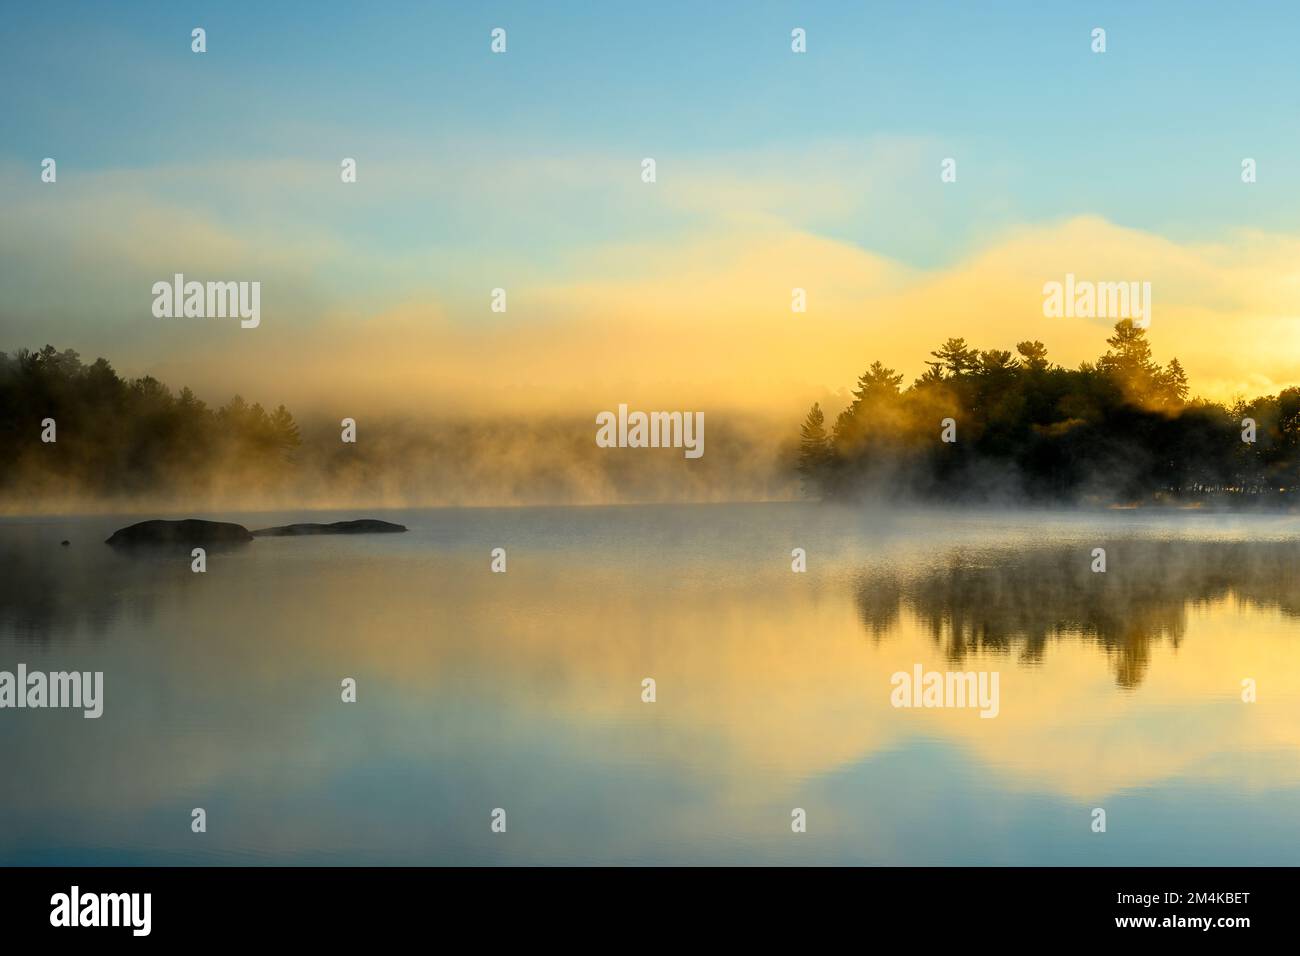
(1011,89)
(479,170)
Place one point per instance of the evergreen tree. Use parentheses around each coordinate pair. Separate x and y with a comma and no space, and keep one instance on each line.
(955,359)
(1122,424)
(124,436)
(814,451)
(1033,355)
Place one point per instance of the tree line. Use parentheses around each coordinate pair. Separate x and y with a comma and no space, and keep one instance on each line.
(116,436)
(1120,429)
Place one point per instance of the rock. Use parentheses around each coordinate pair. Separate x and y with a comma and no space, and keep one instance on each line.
(360,526)
(191,531)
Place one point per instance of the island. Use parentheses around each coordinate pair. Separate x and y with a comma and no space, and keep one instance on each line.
(195,531)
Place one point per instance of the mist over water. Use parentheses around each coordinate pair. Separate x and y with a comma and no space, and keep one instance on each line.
(403,460)
(523,690)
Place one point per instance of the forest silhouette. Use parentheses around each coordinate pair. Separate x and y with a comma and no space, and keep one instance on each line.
(118,436)
(1121,429)
(136,445)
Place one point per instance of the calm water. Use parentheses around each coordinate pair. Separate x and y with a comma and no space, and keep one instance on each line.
(523,690)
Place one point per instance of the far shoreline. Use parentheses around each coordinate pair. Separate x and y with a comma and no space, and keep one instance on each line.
(866,505)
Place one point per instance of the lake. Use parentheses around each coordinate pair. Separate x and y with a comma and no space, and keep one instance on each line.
(522,691)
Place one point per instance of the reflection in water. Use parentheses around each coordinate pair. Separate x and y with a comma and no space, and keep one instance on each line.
(49,591)
(523,690)
(1021,599)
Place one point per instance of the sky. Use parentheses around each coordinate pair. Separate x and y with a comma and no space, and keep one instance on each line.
(522,171)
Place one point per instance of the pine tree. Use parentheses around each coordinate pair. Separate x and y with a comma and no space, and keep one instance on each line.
(877,382)
(1033,355)
(285,430)
(1174,381)
(955,358)
(1129,363)
(814,451)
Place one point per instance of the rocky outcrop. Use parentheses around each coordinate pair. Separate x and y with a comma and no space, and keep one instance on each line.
(360,526)
(193,531)
(189,532)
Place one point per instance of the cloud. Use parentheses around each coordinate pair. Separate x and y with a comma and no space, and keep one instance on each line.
(618,290)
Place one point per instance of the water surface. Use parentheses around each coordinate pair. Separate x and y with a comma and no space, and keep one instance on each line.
(523,690)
